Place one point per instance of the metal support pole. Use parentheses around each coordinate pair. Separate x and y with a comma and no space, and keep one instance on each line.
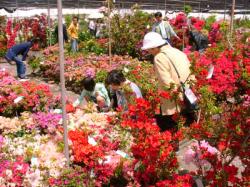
(183,33)
(49,23)
(78,8)
(232,18)
(199,9)
(62,80)
(225,9)
(16,10)
(165,4)
(109,28)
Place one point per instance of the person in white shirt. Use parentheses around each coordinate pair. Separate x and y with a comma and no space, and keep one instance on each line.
(163,28)
(123,91)
(95,92)
(92,27)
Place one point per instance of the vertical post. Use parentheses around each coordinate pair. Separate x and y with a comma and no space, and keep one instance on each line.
(62,80)
(183,29)
(78,8)
(232,18)
(16,9)
(225,9)
(109,28)
(199,9)
(165,7)
(49,23)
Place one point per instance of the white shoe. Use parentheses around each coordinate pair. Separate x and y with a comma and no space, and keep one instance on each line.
(23,79)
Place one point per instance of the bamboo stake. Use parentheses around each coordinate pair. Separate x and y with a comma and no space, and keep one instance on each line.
(109,31)
(62,80)
(232,18)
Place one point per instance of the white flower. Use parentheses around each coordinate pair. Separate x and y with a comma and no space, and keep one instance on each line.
(126,70)
(8,173)
(19,151)
(34,162)
(19,167)
(11,185)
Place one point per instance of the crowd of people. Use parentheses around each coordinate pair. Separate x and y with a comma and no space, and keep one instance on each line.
(170,64)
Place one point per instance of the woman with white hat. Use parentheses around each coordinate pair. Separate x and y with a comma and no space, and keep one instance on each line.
(166,61)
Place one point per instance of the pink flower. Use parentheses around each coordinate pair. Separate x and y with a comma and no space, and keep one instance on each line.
(189,156)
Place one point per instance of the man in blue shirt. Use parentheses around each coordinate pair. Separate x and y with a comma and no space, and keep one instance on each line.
(15,51)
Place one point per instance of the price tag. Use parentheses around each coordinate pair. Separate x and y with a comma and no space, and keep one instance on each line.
(190,95)
(121,153)
(57,111)
(18,99)
(60,122)
(107,159)
(92,141)
(76,103)
(34,161)
(210,72)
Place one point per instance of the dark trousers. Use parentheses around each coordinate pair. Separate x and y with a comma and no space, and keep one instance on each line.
(166,122)
(21,68)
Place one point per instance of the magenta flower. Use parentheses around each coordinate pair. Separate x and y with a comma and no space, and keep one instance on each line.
(90,72)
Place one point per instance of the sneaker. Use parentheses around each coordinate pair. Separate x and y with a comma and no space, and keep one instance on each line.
(24,79)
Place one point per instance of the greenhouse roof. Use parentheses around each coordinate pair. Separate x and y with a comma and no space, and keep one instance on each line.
(199,5)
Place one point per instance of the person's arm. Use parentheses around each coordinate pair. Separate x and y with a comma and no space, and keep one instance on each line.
(70,30)
(102,91)
(171,30)
(154,28)
(80,99)
(26,53)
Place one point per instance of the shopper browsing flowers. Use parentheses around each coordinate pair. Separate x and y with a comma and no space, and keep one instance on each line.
(95,92)
(171,68)
(123,91)
(73,34)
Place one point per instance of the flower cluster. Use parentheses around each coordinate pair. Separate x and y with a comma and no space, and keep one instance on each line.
(79,67)
(185,181)
(152,150)
(46,121)
(11,34)
(197,23)
(215,35)
(12,173)
(16,97)
(83,151)
(212,165)
(40,155)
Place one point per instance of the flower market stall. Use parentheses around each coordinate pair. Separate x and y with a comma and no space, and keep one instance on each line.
(45,140)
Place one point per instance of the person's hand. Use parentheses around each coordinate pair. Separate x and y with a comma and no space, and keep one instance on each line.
(100,101)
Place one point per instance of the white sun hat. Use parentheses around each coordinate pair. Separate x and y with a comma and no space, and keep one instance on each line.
(152,40)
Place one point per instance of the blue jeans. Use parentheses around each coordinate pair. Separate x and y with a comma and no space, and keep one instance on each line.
(74,45)
(20,66)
